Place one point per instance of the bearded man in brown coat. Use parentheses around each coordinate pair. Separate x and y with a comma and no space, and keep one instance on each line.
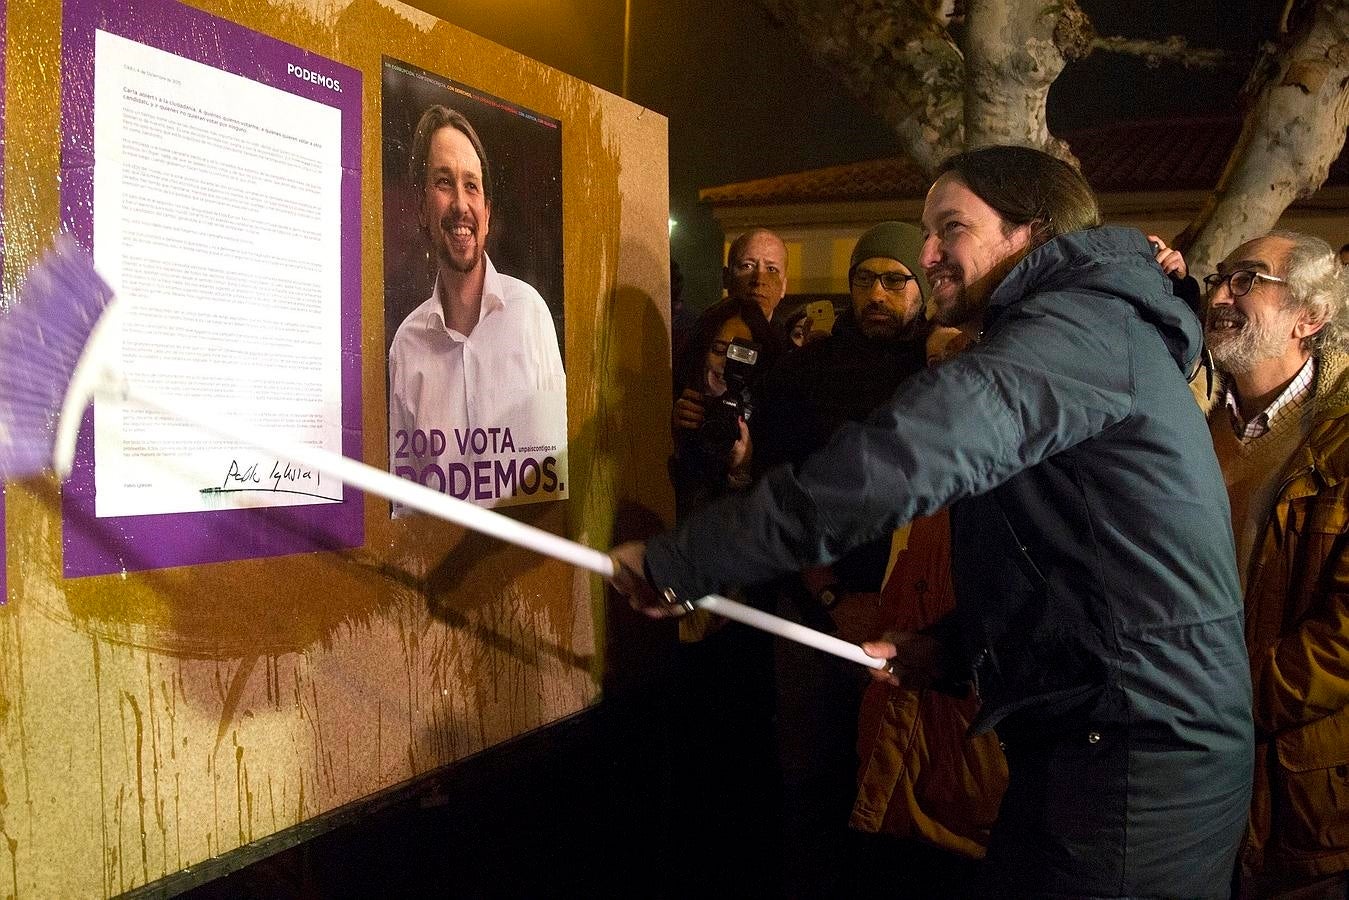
(1276,327)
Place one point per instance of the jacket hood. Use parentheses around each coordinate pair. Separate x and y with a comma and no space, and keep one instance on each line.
(1113,261)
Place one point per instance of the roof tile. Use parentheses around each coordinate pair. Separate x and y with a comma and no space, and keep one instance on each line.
(1124,157)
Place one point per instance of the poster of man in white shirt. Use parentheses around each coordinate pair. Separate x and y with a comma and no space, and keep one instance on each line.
(477,391)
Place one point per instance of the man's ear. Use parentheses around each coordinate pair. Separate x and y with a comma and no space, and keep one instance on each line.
(1037,233)
(726,277)
(1021,239)
(1306,326)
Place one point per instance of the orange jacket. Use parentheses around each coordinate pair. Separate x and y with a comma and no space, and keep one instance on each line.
(921,776)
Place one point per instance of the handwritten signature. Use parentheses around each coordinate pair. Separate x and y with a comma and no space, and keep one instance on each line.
(251,478)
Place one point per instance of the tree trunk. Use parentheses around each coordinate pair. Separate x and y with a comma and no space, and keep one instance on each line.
(1293,130)
(1014,49)
(896,57)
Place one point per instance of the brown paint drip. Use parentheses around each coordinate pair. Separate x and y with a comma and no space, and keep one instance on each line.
(488,632)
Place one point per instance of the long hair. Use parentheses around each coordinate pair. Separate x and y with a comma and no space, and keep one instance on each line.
(1027,186)
(691,357)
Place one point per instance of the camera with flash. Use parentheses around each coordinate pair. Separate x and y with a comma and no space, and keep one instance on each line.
(720,423)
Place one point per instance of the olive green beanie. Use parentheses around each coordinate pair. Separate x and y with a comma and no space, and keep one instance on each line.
(892,240)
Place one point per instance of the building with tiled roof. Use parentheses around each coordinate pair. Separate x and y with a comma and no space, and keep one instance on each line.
(1154,175)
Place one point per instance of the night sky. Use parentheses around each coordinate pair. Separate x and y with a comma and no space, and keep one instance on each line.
(744,101)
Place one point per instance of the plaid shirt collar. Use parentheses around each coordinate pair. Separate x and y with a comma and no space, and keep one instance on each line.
(1292,399)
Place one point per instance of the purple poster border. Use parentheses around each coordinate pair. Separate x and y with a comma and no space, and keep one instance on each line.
(4,51)
(94,546)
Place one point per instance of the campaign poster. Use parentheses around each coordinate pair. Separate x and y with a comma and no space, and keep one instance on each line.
(214,173)
(473,291)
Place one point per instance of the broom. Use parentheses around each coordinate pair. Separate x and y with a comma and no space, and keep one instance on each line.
(58,354)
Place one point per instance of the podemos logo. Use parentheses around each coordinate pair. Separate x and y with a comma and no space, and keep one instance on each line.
(313,77)
(429,458)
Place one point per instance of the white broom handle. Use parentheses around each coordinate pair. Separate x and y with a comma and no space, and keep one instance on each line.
(382,483)
(789,630)
(409,493)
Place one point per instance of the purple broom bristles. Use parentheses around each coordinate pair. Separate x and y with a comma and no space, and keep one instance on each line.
(41,339)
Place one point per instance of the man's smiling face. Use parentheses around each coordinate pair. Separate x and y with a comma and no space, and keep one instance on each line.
(1243,331)
(967,251)
(455,210)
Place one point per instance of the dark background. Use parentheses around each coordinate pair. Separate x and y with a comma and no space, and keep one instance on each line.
(524,238)
(745,101)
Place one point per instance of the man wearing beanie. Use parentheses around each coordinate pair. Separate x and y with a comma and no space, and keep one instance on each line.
(878,341)
(1098,611)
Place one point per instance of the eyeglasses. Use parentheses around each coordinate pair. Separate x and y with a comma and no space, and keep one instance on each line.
(1240,282)
(863,279)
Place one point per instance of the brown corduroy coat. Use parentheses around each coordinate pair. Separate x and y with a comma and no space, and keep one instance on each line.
(1297,635)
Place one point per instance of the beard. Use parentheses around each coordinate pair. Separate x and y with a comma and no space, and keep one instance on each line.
(962,305)
(891,328)
(1238,343)
(446,254)
(958,310)
(968,300)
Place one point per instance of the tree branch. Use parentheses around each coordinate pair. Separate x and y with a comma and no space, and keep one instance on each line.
(1294,128)
(1173,49)
(896,57)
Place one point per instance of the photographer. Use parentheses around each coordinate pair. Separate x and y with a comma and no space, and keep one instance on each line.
(722,706)
(711,441)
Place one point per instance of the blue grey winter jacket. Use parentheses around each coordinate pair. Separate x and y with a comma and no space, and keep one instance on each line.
(1097,603)
(1092,546)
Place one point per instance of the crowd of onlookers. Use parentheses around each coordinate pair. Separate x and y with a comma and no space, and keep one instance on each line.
(1094,514)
